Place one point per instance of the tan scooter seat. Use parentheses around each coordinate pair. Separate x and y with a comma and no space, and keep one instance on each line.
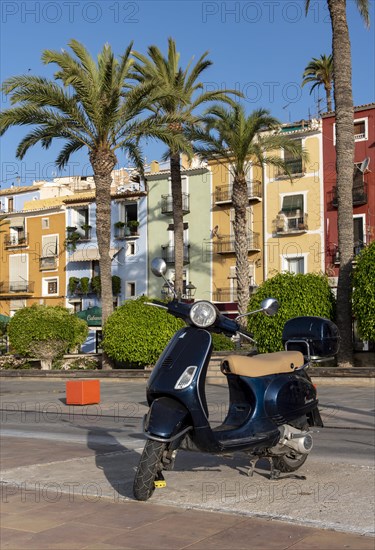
(263,364)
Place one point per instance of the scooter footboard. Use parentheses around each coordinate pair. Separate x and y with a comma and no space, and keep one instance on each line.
(166,420)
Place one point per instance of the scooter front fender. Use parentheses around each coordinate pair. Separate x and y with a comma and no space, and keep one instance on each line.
(166,420)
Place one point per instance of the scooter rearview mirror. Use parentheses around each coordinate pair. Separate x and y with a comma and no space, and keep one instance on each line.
(158,267)
(269,306)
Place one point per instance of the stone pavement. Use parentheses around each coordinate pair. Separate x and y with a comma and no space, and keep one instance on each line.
(72,490)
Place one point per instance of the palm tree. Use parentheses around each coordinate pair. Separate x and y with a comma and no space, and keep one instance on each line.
(181,101)
(238,141)
(90,105)
(320,73)
(342,77)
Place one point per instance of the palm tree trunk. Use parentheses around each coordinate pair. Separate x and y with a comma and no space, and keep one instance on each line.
(240,199)
(103,163)
(328,90)
(344,168)
(178,222)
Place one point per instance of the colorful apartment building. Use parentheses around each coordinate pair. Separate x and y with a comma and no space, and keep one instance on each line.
(363,184)
(196,188)
(49,250)
(224,281)
(293,209)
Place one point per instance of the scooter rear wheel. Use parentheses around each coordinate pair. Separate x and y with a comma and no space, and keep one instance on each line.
(290,462)
(149,466)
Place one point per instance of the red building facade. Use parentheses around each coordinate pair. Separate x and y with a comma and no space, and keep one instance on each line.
(363,184)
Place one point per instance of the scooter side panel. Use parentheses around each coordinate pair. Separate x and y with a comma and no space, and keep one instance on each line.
(288,397)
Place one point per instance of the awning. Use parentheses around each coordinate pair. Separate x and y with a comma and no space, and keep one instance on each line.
(17,222)
(88,255)
(4,319)
(92,316)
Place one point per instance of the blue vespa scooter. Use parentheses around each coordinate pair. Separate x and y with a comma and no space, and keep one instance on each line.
(272,401)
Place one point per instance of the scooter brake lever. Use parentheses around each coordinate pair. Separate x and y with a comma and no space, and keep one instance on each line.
(156,304)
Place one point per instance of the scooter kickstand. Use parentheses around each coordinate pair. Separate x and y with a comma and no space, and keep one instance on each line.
(274,473)
(250,471)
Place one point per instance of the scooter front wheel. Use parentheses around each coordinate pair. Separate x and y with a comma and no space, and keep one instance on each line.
(150,465)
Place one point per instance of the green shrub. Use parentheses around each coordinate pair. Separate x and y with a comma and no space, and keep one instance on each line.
(297,295)
(45,332)
(364,292)
(222,342)
(137,333)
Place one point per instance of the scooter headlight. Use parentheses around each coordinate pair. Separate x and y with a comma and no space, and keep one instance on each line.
(203,314)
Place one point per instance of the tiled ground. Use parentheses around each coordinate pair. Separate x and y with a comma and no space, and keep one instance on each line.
(30,520)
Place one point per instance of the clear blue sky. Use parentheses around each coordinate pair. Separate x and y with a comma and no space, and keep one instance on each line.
(259,47)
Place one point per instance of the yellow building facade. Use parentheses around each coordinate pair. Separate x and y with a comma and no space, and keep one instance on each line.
(294,208)
(33,257)
(224,282)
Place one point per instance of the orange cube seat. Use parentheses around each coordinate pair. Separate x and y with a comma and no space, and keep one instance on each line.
(82,392)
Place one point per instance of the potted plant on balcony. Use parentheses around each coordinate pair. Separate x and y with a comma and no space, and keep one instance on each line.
(96,285)
(72,238)
(73,284)
(133,226)
(86,228)
(120,231)
(85,285)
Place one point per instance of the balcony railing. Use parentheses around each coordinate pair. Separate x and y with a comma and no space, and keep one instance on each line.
(167,204)
(223,193)
(47,262)
(359,196)
(356,250)
(167,253)
(20,239)
(290,222)
(17,287)
(224,295)
(225,245)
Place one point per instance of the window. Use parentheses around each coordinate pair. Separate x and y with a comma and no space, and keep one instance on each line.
(294,164)
(295,265)
(292,216)
(10,204)
(359,235)
(130,249)
(50,286)
(81,219)
(360,129)
(130,290)
(48,258)
(45,223)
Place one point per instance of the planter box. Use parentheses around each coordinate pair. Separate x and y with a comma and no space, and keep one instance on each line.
(82,392)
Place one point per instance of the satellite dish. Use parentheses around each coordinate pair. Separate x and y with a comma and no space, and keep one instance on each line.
(364,165)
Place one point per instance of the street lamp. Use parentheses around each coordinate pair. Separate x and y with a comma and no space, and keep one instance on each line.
(190,291)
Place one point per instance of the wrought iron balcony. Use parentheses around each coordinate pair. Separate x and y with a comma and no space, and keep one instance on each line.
(223,193)
(224,295)
(17,287)
(356,250)
(167,253)
(47,262)
(20,239)
(225,245)
(292,222)
(167,204)
(359,194)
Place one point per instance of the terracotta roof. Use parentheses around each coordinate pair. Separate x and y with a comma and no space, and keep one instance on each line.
(357,108)
(79,197)
(18,190)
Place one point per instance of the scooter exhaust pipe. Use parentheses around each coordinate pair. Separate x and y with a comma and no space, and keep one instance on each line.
(302,442)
